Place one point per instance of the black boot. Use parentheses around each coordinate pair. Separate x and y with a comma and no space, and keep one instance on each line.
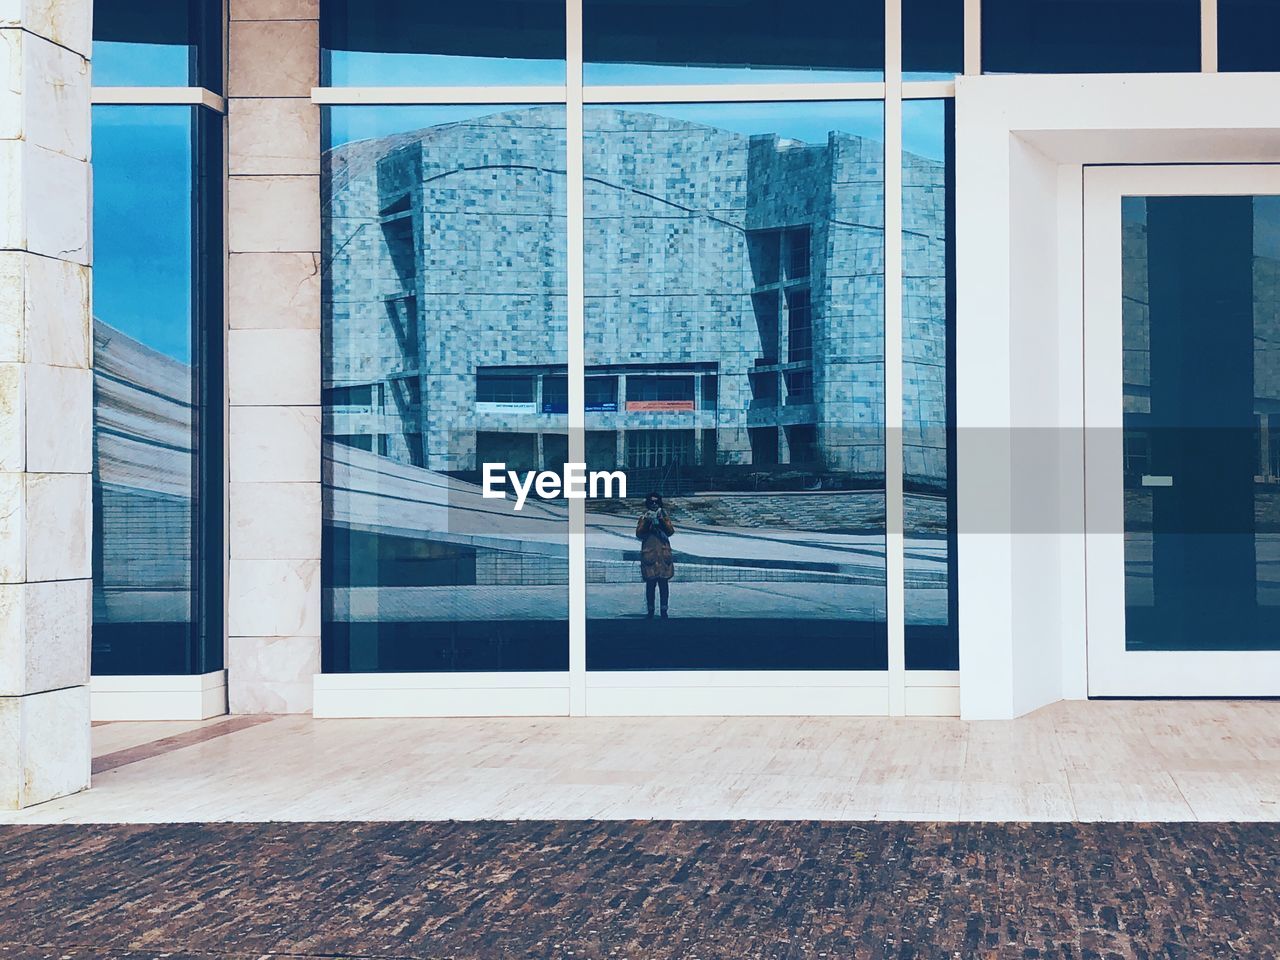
(664,613)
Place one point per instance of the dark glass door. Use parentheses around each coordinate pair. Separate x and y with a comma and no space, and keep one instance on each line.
(1201,340)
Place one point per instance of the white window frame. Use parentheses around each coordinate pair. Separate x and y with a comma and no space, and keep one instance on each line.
(177,697)
(897,691)
(1113,670)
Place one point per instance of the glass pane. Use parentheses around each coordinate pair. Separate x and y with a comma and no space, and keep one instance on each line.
(928,378)
(145,449)
(410,43)
(744,243)
(1247,32)
(1201,340)
(732,41)
(932,39)
(1090,36)
(145,43)
(444,317)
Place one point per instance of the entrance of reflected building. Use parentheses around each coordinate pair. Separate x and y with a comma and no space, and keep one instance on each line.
(1182,439)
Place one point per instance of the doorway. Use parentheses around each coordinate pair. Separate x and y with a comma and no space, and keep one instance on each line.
(1182,402)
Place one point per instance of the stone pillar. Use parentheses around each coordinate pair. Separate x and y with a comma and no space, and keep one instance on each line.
(273,355)
(46,400)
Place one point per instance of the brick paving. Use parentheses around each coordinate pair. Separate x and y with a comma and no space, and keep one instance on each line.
(644,890)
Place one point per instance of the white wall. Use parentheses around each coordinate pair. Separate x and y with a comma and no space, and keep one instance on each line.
(1020,146)
(46,401)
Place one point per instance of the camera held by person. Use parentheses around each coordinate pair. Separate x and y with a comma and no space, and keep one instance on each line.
(654,531)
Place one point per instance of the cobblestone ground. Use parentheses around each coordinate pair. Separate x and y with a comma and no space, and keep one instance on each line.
(650,891)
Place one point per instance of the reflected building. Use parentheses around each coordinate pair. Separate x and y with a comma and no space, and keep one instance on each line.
(142,482)
(734,310)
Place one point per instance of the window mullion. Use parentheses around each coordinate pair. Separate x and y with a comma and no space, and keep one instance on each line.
(577,350)
(895,565)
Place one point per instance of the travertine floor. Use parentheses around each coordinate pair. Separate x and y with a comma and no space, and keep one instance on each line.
(1099,760)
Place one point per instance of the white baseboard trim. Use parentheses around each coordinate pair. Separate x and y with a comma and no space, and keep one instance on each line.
(933,701)
(168,697)
(632,693)
(933,693)
(340,695)
(933,678)
(693,693)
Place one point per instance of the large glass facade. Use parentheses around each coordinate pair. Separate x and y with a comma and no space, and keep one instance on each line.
(1247,31)
(410,43)
(738,41)
(928,374)
(157,324)
(932,39)
(444,320)
(1090,36)
(732,352)
(735,295)
(148,43)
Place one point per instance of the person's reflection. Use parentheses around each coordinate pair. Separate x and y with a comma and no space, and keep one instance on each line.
(654,531)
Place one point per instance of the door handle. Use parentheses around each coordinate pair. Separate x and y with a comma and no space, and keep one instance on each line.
(1156,480)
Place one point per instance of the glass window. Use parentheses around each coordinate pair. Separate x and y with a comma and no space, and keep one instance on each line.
(658,393)
(799,326)
(555,394)
(1247,32)
(367,43)
(1201,528)
(659,448)
(157,481)
(601,394)
(932,39)
(928,375)
(148,43)
(713,231)
(799,386)
(456,215)
(732,41)
(499,388)
(710,391)
(1090,36)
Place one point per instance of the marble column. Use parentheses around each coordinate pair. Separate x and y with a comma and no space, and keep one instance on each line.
(273,355)
(46,400)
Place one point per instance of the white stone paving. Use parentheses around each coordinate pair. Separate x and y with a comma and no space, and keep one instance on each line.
(1083,760)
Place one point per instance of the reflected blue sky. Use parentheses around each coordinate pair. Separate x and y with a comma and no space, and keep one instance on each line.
(347,124)
(809,122)
(1266,227)
(360,68)
(628,73)
(923,121)
(924,128)
(119,64)
(142,244)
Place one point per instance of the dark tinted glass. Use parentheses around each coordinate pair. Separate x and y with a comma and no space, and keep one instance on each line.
(412,43)
(732,41)
(444,325)
(1247,35)
(734,281)
(928,378)
(932,38)
(157,388)
(1090,36)
(1201,324)
(147,43)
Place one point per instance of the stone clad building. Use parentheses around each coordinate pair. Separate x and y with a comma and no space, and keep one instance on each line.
(768,353)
